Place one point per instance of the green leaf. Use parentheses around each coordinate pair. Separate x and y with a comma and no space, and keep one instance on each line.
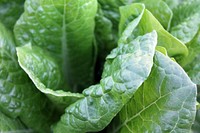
(196,125)
(140,21)
(10,11)
(105,38)
(173,3)
(194,50)
(162,50)
(104,32)
(18,95)
(186,20)
(191,63)
(8,125)
(45,74)
(160,10)
(193,70)
(107,21)
(125,70)
(65,29)
(40,62)
(166,102)
(111,11)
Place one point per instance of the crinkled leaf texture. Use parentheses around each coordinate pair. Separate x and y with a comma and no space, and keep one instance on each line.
(140,21)
(191,63)
(10,11)
(45,74)
(166,102)
(8,124)
(173,3)
(65,29)
(126,68)
(18,95)
(196,125)
(186,20)
(107,20)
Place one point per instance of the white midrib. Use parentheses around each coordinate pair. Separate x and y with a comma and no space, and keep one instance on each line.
(64,44)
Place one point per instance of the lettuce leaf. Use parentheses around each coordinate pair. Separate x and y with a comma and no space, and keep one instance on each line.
(8,124)
(18,95)
(45,74)
(166,102)
(59,27)
(186,20)
(10,11)
(126,68)
(141,21)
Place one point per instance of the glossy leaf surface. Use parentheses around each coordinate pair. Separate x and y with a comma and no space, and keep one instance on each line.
(60,27)
(45,74)
(166,102)
(125,70)
(18,95)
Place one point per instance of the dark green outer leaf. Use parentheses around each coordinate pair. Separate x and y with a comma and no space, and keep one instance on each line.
(10,11)
(65,29)
(196,125)
(105,38)
(166,102)
(125,70)
(8,124)
(18,95)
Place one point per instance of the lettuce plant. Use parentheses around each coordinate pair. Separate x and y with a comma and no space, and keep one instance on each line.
(100,66)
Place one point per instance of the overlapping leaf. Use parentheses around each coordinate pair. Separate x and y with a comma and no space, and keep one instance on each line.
(163,15)
(10,11)
(8,124)
(125,70)
(45,74)
(191,62)
(141,21)
(65,29)
(166,102)
(18,95)
(186,20)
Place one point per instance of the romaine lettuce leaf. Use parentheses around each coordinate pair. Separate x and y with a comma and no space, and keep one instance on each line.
(173,3)
(18,95)
(126,68)
(65,29)
(158,8)
(196,125)
(10,11)
(105,38)
(8,124)
(166,102)
(191,63)
(45,74)
(186,20)
(140,21)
